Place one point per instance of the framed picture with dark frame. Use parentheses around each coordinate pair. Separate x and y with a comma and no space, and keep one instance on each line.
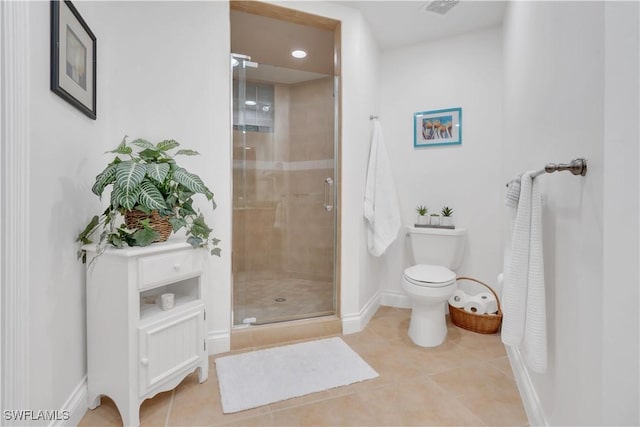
(437,127)
(73,58)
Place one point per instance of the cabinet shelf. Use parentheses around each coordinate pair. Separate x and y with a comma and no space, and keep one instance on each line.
(184,291)
(151,312)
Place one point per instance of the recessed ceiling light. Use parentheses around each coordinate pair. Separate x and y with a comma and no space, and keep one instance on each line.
(299,53)
(249,102)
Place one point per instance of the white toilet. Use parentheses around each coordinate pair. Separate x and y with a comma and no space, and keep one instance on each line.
(430,283)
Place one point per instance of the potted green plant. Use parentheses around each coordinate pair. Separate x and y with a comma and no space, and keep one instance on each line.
(435,219)
(154,196)
(447,216)
(422,215)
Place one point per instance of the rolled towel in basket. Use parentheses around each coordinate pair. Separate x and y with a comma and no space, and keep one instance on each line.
(475,305)
(490,301)
(458,299)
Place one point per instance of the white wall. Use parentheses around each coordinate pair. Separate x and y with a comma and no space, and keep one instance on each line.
(368,81)
(154,82)
(561,102)
(359,87)
(65,150)
(466,72)
(621,357)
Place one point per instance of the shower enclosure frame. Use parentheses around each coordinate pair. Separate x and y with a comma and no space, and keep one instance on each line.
(300,18)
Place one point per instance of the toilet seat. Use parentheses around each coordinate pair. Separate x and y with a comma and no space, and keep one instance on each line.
(431,276)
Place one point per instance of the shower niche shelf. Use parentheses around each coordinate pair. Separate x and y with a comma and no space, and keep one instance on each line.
(135,349)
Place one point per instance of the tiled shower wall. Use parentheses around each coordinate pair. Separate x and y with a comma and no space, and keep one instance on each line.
(281,228)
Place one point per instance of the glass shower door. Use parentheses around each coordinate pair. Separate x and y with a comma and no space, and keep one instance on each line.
(283,194)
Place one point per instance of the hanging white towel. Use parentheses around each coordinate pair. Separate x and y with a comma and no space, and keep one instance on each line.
(513,192)
(381,208)
(535,332)
(523,297)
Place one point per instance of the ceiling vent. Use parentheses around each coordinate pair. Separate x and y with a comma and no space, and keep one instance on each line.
(441,7)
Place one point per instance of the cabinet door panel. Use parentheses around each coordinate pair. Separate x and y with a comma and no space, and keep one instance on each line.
(170,345)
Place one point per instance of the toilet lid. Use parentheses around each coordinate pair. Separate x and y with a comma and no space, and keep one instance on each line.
(429,275)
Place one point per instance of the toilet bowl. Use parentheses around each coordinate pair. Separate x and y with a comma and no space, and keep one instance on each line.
(428,287)
(436,254)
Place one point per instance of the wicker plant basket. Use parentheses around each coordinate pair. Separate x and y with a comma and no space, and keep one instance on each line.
(480,323)
(159,223)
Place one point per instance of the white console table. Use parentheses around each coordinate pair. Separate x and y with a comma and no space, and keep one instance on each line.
(134,348)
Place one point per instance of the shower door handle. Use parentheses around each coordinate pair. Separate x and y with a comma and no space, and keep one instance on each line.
(328,194)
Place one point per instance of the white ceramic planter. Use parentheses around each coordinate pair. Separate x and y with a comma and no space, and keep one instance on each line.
(446,220)
(422,220)
(435,220)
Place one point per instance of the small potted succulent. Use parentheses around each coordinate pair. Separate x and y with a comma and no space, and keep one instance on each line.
(435,219)
(423,219)
(447,216)
(153,195)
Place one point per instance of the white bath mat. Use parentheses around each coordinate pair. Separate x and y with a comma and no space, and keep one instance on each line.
(257,378)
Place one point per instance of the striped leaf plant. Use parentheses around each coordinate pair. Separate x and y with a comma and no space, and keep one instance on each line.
(145,177)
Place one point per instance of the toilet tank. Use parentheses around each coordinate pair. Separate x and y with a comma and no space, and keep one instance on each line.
(437,246)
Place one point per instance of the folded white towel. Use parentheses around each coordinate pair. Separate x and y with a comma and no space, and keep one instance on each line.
(381,208)
(523,295)
(513,192)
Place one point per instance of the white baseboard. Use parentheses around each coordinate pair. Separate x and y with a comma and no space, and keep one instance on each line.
(218,341)
(352,323)
(395,299)
(530,399)
(76,404)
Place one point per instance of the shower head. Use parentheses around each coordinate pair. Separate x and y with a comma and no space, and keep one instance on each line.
(441,7)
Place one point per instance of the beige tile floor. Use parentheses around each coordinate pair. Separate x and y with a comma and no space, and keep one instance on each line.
(465,381)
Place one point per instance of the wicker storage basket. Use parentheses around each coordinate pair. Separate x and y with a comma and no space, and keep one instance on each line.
(159,223)
(481,323)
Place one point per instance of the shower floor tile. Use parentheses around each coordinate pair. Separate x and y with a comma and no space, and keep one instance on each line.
(273,300)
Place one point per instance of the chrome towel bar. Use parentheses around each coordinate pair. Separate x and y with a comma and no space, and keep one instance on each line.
(576,166)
